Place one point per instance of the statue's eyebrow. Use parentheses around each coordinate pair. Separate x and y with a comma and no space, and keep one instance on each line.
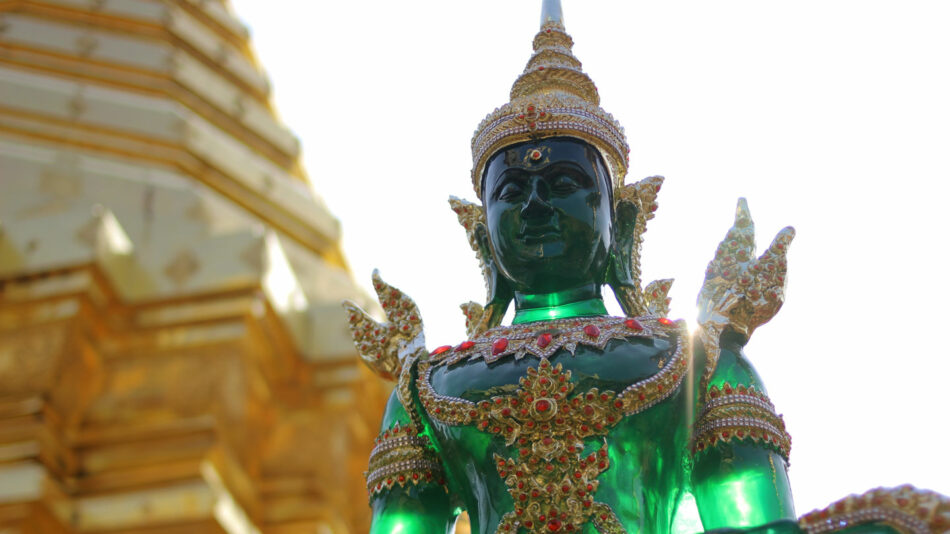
(510,174)
(560,166)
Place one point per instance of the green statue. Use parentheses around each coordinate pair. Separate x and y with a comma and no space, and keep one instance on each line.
(569,420)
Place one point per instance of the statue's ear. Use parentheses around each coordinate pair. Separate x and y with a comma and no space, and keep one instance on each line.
(482,241)
(624,243)
(499,289)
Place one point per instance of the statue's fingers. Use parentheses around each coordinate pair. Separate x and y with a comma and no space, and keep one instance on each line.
(738,247)
(774,258)
(781,242)
(743,217)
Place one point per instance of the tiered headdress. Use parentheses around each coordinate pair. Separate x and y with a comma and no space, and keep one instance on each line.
(552,97)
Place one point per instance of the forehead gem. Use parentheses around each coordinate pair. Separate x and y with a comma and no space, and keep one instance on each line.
(535,154)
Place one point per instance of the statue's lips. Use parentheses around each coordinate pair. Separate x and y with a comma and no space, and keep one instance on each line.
(539,234)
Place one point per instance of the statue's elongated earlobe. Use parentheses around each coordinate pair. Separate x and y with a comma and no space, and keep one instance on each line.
(499,289)
(634,205)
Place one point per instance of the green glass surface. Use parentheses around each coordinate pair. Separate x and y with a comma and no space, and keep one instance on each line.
(548,242)
(584,301)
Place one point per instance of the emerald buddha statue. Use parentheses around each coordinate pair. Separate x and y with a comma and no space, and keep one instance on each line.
(569,420)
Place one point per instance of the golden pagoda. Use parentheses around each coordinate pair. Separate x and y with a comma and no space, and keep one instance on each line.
(173,355)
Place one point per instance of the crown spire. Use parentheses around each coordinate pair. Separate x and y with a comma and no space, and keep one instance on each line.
(553,97)
(551,13)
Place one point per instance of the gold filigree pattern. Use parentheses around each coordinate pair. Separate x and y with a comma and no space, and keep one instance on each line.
(740,414)
(905,508)
(402,456)
(544,339)
(383,346)
(549,474)
(741,292)
(404,386)
(655,294)
(474,312)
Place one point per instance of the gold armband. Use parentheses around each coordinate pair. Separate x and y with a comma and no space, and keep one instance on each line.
(740,413)
(906,509)
(401,456)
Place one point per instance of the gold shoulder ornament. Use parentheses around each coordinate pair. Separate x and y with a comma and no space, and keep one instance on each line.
(741,292)
(907,509)
(634,205)
(385,346)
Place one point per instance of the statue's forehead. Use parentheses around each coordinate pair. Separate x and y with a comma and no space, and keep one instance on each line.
(540,154)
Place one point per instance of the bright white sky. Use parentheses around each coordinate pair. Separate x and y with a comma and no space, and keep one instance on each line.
(831,116)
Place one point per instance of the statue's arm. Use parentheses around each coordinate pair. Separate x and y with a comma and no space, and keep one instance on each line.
(405,479)
(739,447)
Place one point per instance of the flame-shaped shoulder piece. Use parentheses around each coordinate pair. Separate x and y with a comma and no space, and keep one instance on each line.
(634,205)
(471,215)
(384,346)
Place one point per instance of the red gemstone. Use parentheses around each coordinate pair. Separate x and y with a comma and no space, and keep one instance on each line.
(530,108)
(592,330)
(544,340)
(554,525)
(664,321)
(633,324)
(499,345)
(542,405)
(440,350)
(540,68)
(532,125)
(465,345)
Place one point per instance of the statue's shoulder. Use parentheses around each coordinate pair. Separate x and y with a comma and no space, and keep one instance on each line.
(543,339)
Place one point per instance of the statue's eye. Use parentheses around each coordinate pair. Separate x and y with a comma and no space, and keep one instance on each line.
(510,191)
(564,184)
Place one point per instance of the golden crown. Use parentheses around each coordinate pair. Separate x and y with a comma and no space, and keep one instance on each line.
(553,97)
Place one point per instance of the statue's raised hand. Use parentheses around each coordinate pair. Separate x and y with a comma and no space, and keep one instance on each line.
(742,292)
(384,346)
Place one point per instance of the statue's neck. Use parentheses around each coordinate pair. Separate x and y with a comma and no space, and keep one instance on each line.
(577,302)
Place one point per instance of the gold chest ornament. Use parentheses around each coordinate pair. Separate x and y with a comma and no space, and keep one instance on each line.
(544,422)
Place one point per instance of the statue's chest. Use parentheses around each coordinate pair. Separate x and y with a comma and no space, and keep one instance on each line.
(622,363)
(541,406)
(556,361)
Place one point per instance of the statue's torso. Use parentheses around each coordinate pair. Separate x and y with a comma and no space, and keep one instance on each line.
(630,394)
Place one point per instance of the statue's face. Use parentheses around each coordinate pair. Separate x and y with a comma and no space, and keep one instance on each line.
(547,205)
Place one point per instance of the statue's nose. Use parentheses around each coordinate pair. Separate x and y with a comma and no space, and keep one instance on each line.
(536,205)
